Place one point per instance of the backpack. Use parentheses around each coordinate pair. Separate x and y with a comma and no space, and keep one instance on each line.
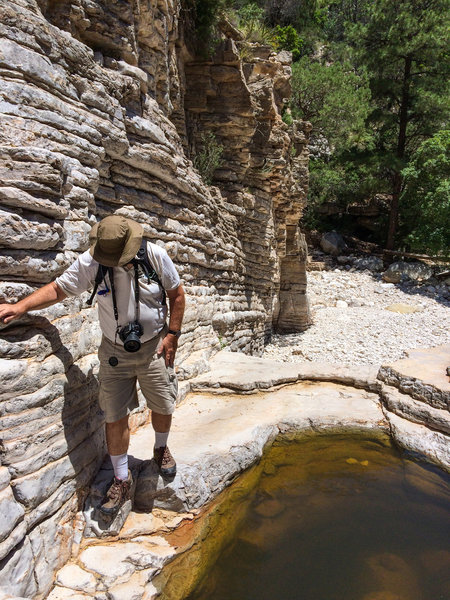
(140,260)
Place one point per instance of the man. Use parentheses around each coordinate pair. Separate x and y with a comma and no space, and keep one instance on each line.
(136,345)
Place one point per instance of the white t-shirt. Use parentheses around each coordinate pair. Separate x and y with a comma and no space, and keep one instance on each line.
(80,276)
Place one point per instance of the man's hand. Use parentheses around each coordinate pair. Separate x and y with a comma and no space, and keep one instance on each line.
(45,296)
(169,344)
(168,348)
(9,312)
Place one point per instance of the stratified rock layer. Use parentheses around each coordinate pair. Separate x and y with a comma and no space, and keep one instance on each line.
(103,108)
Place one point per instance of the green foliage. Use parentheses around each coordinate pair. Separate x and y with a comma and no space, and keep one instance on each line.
(345,178)
(404,48)
(257,32)
(206,14)
(250,12)
(425,201)
(341,15)
(342,180)
(335,99)
(301,14)
(252,24)
(287,38)
(287,116)
(209,158)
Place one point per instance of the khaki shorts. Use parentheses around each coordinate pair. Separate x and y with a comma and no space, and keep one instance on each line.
(118,394)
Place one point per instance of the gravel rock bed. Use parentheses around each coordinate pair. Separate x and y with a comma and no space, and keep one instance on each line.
(352,325)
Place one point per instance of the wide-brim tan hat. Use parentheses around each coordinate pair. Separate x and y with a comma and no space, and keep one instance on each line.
(115,240)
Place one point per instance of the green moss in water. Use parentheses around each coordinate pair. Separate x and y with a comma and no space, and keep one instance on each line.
(323,518)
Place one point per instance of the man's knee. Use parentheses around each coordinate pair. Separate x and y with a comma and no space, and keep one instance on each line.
(117,426)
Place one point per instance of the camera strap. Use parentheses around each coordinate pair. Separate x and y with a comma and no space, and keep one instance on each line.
(136,296)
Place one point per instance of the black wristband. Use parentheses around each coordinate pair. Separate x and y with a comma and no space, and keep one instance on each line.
(175,333)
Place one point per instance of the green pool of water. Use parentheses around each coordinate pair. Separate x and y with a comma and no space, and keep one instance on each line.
(329,518)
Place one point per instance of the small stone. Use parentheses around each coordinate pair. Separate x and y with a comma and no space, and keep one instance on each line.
(403,308)
(341,304)
(140,524)
(297,352)
(392,277)
(74,577)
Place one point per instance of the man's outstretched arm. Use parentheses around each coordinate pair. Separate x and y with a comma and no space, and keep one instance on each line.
(45,296)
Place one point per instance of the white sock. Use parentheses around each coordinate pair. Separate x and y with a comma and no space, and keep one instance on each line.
(161,439)
(120,466)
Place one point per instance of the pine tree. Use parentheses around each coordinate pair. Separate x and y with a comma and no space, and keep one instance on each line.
(403,46)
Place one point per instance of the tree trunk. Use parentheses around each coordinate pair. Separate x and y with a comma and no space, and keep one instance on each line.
(397,179)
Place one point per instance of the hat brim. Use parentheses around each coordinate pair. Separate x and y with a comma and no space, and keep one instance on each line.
(127,254)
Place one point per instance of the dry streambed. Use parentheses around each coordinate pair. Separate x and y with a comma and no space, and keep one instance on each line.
(360,320)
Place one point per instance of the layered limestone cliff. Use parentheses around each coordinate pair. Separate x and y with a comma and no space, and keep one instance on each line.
(103,109)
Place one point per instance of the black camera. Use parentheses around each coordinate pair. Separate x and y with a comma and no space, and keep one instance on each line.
(130,334)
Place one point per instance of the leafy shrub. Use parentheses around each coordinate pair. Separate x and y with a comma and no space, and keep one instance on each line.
(251,22)
(209,158)
(335,99)
(287,116)
(425,202)
(250,12)
(287,38)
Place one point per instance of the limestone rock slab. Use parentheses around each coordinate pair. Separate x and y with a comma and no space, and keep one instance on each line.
(415,410)
(11,512)
(98,524)
(116,563)
(5,477)
(74,577)
(238,371)
(17,573)
(420,439)
(63,593)
(134,588)
(422,375)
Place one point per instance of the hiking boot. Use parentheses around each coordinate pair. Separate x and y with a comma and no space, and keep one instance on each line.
(117,495)
(165,461)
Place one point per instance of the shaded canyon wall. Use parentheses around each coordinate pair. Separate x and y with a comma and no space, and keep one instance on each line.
(103,107)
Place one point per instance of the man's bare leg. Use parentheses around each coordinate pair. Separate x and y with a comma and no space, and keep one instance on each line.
(118,436)
(161,423)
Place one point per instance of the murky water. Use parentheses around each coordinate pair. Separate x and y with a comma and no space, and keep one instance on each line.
(329,518)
